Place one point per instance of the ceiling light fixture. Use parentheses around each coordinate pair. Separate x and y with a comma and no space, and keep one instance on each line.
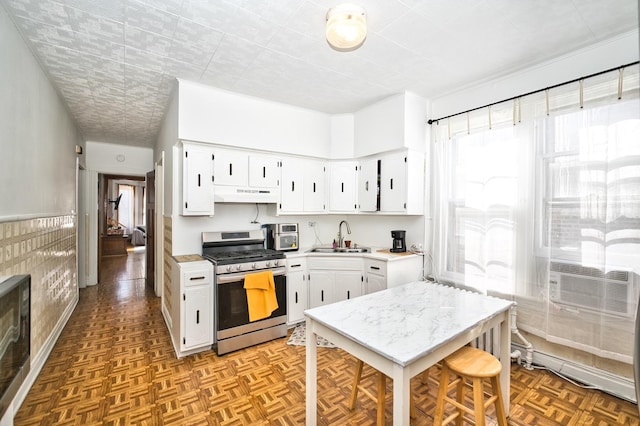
(346,27)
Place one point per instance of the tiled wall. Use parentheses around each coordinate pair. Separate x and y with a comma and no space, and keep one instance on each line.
(46,249)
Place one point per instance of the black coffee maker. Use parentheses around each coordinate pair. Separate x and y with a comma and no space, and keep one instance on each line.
(399,245)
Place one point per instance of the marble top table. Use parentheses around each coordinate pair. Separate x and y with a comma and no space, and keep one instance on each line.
(402,331)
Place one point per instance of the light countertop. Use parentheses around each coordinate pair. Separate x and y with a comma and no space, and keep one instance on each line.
(404,323)
(380,253)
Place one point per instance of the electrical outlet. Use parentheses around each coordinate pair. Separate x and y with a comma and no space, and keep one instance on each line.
(312,224)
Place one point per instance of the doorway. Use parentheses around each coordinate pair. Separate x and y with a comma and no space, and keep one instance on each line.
(121,214)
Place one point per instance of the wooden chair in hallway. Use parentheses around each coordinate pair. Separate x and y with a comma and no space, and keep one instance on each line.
(475,365)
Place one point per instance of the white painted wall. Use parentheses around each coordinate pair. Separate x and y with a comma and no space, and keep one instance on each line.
(37,164)
(167,139)
(589,60)
(367,230)
(37,136)
(398,121)
(216,116)
(119,159)
(342,133)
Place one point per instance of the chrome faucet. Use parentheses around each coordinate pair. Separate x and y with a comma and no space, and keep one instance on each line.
(340,237)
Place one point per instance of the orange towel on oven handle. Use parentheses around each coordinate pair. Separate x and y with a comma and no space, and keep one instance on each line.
(261,294)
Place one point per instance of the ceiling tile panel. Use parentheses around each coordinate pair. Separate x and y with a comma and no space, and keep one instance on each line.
(144,40)
(144,59)
(96,26)
(45,33)
(194,43)
(45,11)
(111,9)
(150,19)
(96,46)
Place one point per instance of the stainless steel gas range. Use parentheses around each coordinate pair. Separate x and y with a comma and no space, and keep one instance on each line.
(235,254)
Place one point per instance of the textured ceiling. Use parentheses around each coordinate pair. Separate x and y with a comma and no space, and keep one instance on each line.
(115,61)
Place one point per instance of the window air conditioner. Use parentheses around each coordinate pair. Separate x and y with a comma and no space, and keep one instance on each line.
(590,288)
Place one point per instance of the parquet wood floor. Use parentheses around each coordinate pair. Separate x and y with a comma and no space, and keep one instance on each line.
(114,365)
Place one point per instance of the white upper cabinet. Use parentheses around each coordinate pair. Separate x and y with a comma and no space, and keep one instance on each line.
(291,187)
(230,167)
(342,187)
(392,182)
(302,188)
(240,176)
(264,171)
(368,188)
(197,188)
(314,186)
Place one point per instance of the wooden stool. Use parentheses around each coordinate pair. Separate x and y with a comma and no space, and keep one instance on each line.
(475,365)
(378,399)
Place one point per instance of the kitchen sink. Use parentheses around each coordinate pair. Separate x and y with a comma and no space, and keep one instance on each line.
(340,250)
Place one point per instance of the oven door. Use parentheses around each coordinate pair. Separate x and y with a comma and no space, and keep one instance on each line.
(231,300)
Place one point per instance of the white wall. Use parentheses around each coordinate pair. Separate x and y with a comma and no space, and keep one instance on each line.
(216,116)
(118,159)
(366,230)
(599,57)
(37,135)
(38,175)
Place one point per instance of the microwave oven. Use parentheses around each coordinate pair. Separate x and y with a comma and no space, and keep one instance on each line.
(282,236)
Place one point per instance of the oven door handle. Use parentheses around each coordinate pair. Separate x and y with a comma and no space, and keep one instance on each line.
(230,278)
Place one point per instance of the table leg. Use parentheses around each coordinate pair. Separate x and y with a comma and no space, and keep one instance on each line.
(312,374)
(401,395)
(505,359)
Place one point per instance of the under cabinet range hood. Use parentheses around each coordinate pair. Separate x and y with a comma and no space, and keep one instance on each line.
(234,194)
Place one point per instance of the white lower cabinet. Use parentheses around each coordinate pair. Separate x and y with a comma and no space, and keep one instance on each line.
(348,285)
(297,291)
(190,309)
(333,279)
(375,275)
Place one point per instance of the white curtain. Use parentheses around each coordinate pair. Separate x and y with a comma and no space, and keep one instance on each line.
(539,198)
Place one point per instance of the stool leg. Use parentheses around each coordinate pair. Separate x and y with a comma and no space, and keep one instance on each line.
(442,391)
(382,389)
(460,391)
(356,382)
(478,401)
(499,402)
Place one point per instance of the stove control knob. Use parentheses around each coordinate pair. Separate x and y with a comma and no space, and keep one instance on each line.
(229,268)
(268,264)
(276,262)
(253,265)
(238,267)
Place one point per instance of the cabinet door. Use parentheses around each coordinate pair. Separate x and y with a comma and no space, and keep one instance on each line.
(196,176)
(291,186)
(320,288)
(230,167)
(393,186)
(197,316)
(375,283)
(263,171)
(348,284)
(297,295)
(342,187)
(368,189)
(314,186)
